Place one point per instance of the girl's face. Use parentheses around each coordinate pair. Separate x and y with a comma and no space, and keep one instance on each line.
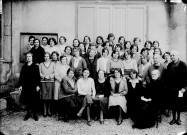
(145,52)
(46,57)
(71,74)
(86,74)
(36,43)
(115,55)
(44,41)
(134,49)
(54,56)
(128,45)
(29,57)
(101,74)
(64,60)
(118,48)
(86,39)
(68,50)
(117,74)
(122,41)
(92,53)
(148,45)
(157,51)
(52,43)
(111,39)
(127,56)
(107,45)
(167,57)
(137,42)
(105,53)
(62,41)
(75,43)
(81,46)
(143,60)
(133,75)
(99,40)
(31,41)
(156,45)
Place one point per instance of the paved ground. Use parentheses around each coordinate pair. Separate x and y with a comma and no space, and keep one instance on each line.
(13,124)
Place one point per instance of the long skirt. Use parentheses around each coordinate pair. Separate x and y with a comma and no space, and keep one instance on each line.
(118,100)
(47,90)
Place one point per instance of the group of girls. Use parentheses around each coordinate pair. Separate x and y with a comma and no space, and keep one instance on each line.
(101,75)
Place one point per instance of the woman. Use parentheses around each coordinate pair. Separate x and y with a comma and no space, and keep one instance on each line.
(102,93)
(99,44)
(67,95)
(137,41)
(118,92)
(87,42)
(121,41)
(76,43)
(151,99)
(156,44)
(82,48)
(29,83)
(91,62)
(127,45)
(78,63)
(133,95)
(47,73)
(134,53)
(111,39)
(102,62)
(143,66)
(128,63)
(86,91)
(148,45)
(119,49)
(55,57)
(52,46)
(167,58)
(60,73)
(107,45)
(38,52)
(62,44)
(68,53)
(114,63)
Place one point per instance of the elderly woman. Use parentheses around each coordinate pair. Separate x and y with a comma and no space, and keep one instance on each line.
(29,83)
(118,92)
(151,99)
(47,73)
(60,73)
(102,93)
(114,63)
(86,91)
(78,63)
(67,95)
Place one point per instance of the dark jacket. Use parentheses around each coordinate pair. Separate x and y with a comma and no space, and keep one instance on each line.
(38,54)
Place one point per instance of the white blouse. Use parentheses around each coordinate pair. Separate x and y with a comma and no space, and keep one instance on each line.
(86,87)
(102,63)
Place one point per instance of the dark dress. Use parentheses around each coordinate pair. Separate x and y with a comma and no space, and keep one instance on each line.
(29,79)
(133,98)
(147,111)
(102,89)
(38,54)
(92,66)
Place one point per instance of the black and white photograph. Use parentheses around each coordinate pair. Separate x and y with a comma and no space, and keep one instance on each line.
(93,67)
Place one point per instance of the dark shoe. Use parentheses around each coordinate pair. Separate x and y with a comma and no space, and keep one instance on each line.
(44,115)
(101,122)
(119,122)
(27,116)
(172,122)
(178,122)
(88,123)
(35,118)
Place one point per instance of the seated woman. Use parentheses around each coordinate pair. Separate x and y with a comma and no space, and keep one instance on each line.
(86,91)
(150,101)
(133,95)
(118,92)
(67,95)
(102,93)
